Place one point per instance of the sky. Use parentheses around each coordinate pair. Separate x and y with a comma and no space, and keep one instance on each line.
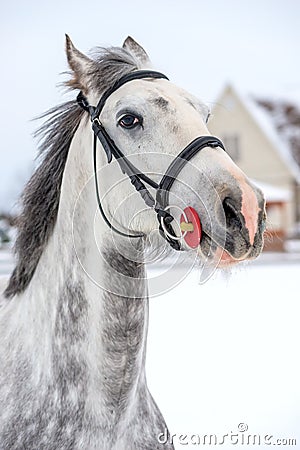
(199,45)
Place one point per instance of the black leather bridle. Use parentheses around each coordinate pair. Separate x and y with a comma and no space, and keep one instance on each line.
(137,178)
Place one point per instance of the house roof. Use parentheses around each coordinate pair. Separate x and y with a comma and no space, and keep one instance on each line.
(279,119)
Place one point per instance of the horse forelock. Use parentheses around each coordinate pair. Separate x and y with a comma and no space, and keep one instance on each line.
(40,199)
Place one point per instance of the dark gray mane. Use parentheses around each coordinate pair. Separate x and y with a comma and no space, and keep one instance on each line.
(40,198)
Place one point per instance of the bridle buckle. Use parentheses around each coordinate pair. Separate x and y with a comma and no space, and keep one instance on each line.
(96,121)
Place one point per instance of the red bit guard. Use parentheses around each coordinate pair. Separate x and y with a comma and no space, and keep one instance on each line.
(191,227)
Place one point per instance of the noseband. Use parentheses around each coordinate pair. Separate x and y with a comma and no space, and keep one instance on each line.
(138,178)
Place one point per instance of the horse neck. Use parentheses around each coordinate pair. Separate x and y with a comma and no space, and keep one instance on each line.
(91,298)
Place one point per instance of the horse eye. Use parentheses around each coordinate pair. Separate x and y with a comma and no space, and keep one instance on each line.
(129,121)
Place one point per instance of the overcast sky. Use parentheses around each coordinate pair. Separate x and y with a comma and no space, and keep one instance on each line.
(199,44)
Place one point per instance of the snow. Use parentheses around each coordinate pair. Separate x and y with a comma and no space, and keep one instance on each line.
(226,352)
(6,262)
(265,122)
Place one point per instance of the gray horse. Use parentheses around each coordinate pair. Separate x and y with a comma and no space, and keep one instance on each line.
(74,313)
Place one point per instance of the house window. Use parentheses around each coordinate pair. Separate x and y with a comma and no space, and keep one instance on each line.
(232,145)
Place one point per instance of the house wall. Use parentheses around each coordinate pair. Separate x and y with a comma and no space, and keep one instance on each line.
(257,156)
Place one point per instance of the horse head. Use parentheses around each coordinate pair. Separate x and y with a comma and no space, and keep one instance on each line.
(150,122)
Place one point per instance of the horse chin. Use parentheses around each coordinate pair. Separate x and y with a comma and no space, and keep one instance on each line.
(214,252)
(225,259)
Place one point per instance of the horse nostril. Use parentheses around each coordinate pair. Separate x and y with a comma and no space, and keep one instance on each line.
(233,216)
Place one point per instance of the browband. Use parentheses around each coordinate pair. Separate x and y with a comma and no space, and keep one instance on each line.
(137,75)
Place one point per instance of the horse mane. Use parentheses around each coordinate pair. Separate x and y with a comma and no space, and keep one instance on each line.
(40,199)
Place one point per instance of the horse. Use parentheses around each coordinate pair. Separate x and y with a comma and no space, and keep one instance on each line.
(74,312)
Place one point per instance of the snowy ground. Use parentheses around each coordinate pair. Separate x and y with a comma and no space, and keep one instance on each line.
(227,353)
(6,262)
(224,356)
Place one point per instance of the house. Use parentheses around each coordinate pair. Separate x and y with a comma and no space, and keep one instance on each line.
(262,136)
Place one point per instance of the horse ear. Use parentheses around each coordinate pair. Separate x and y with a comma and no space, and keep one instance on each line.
(136,49)
(80,65)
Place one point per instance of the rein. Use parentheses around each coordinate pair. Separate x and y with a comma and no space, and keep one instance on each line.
(138,179)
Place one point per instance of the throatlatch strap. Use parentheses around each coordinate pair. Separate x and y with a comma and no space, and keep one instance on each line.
(111,149)
(99,198)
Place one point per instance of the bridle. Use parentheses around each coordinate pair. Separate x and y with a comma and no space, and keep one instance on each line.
(138,178)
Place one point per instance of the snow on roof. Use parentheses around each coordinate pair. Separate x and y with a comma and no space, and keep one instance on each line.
(265,122)
(273,193)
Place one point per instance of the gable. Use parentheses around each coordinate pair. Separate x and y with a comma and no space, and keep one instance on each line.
(258,151)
